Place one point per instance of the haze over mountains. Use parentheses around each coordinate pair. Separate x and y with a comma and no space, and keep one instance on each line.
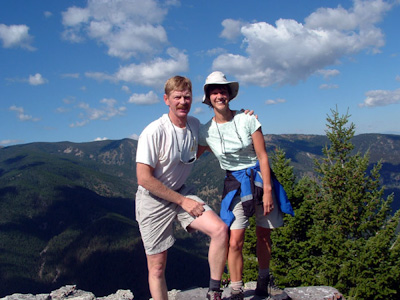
(67,212)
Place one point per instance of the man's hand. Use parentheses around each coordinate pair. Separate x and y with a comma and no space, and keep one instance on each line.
(249,112)
(194,208)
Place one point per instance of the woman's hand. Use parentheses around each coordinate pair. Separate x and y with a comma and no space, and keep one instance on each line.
(268,202)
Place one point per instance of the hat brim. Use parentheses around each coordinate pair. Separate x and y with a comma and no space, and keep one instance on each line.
(233,88)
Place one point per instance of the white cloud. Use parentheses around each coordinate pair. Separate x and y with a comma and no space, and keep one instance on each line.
(276,101)
(289,51)
(144,99)
(134,136)
(36,79)
(15,36)
(327,74)
(215,51)
(100,76)
(109,109)
(21,115)
(127,27)
(381,98)
(48,14)
(70,75)
(198,111)
(153,73)
(62,110)
(328,86)
(126,89)
(100,139)
(9,142)
(74,16)
(79,124)
(231,29)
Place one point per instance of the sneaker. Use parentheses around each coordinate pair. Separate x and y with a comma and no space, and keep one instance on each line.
(214,295)
(237,295)
(262,286)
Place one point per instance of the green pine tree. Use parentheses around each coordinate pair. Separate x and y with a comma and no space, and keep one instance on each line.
(290,243)
(343,234)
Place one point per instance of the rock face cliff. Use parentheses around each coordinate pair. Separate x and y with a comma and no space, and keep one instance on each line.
(70,292)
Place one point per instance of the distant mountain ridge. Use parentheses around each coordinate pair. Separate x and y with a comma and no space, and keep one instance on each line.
(67,211)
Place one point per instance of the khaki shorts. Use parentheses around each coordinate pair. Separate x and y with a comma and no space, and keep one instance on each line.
(156,216)
(273,220)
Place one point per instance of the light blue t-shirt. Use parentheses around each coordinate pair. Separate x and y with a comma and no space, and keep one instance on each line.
(232,152)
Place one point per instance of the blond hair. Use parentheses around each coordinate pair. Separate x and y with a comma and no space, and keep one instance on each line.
(177,83)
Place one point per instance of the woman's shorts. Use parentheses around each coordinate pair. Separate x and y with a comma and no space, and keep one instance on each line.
(273,220)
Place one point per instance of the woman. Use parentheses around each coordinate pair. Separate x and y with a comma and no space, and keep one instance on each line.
(237,141)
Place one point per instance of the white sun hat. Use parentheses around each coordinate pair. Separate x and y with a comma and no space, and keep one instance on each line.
(218,77)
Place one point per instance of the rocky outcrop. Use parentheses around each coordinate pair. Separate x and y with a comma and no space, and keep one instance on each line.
(70,292)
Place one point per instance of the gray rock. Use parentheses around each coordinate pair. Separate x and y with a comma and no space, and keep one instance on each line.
(119,295)
(70,292)
(314,293)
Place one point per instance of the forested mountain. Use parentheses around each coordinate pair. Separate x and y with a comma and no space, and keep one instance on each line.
(67,212)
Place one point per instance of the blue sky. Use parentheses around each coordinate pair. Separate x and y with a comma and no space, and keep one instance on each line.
(89,70)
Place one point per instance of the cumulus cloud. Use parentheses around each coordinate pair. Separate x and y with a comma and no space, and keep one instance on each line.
(48,14)
(381,98)
(231,29)
(108,109)
(16,36)
(144,99)
(126,27)
(36,79)
(153,73)
(288,51)
(21,115)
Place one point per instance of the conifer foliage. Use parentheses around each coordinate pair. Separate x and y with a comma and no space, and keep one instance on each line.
(343,233)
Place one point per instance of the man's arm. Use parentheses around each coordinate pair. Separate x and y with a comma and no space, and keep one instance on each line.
(201,149)
(147,180)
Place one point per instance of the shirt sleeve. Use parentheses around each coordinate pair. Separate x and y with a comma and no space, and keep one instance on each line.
(202,134)
(148,150)
(253,124)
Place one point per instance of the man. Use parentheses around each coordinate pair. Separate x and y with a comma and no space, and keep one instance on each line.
(167,149)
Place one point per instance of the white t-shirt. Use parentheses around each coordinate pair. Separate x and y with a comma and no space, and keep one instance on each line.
(158,146)
(232,152)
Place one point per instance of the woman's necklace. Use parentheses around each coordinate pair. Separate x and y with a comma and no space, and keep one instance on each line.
(222,137)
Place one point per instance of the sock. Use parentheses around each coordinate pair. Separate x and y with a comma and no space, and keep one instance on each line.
(263,272)
(236,285)
(215,285)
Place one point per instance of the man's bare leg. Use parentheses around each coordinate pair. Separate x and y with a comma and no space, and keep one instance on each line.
(210,224)
(156,265)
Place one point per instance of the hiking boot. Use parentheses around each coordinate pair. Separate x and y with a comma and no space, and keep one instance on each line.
(276,293)
(262,286)
(214,295)
(237,295)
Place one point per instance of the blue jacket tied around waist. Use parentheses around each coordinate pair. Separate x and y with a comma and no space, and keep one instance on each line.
(249,183)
